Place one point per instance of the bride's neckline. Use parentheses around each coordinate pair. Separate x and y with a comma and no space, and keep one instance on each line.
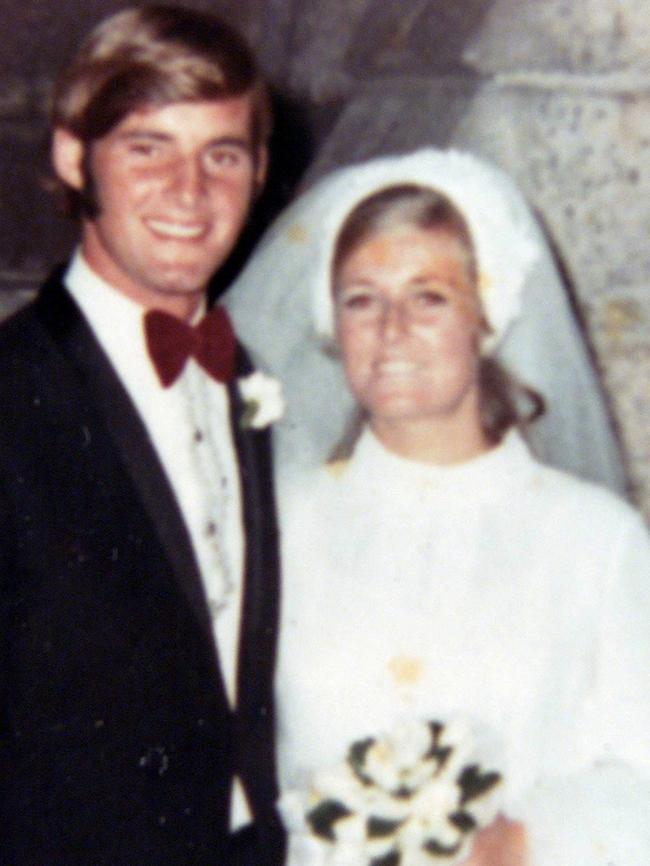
(374,461)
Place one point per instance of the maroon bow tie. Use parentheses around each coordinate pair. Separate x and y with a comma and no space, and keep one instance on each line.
(171,341)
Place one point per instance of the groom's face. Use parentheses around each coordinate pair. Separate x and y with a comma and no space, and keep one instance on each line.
(173,187)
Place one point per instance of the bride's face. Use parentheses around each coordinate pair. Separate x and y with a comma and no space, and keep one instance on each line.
(408,320)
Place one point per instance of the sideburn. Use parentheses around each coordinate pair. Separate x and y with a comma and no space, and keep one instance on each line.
(87,201)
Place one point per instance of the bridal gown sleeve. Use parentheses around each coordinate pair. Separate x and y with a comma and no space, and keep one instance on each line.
(601,816)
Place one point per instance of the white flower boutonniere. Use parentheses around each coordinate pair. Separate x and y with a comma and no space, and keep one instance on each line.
(263,398)
(414,797)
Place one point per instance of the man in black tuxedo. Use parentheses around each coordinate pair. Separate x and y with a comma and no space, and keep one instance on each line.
(138,554)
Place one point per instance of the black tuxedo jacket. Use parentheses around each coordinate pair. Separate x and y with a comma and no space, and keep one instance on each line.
(117,745)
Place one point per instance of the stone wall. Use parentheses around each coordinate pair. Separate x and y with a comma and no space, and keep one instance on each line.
(556,91)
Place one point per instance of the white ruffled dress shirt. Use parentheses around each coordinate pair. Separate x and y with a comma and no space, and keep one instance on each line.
(500,591)
(189,426)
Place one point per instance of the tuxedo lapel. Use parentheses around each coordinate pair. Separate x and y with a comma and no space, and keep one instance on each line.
(260,608)
(68,327)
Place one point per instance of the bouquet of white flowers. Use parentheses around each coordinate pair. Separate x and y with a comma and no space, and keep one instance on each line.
(410,798)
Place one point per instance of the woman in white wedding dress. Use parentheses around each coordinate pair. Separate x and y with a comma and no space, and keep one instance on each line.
(439,570)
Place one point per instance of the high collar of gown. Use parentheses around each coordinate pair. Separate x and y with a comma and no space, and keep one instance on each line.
(485,476)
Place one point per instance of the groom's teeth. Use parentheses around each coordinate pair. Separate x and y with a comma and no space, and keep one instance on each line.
(175,230)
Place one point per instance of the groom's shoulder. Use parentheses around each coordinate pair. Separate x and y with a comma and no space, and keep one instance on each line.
(19,314)
(29,360)
(21,344)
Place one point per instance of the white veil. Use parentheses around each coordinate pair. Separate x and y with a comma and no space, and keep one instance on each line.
(273,306)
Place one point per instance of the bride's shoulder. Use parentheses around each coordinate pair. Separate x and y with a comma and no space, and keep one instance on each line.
(575,502)
(566,487)
(303,483)
(303,489)
(336,469)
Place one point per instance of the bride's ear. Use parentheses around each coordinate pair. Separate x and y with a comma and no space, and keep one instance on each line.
(67,153)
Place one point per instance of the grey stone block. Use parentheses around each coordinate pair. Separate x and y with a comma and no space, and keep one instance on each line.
(620,328)
(338,45)
(38,38)
(627,379)
(593,36)
(12,299)
(32,234)
(15,96)
(322,33)
(422,37)
(582,160)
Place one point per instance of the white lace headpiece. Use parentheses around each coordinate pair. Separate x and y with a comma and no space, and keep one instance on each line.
(505,249)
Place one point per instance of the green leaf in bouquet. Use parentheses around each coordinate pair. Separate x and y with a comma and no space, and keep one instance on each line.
(463,820)
(439,753)
(322,818)
(474,783)
(357,759)
(392,858)
(379,827)
(433,846)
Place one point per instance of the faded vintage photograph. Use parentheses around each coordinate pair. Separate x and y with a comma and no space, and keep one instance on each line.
(324,433)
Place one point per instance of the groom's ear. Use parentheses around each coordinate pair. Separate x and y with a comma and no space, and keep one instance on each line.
(67,153)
